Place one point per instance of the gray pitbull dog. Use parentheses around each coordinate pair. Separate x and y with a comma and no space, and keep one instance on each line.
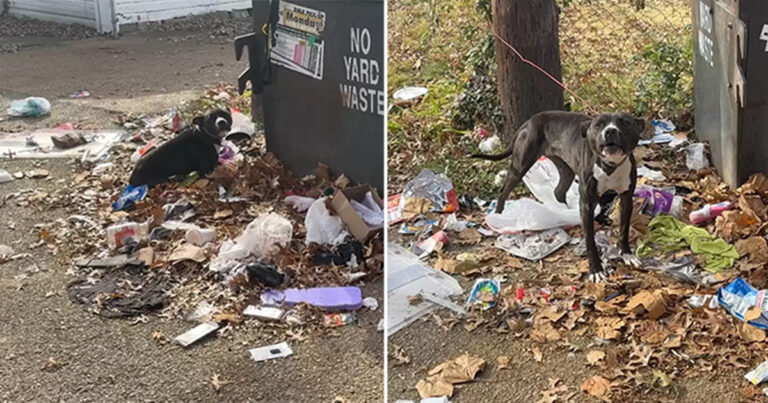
(598,150)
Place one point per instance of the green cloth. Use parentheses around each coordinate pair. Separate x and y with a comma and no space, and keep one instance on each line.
(672,234)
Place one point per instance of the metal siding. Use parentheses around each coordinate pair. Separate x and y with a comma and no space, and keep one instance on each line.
(132,11)
(65,11)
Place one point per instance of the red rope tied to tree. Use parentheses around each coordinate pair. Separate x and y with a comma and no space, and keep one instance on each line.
(550,76)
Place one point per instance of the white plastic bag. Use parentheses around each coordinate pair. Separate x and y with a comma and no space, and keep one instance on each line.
(259,238)
(299,203)
(528,214)
(695,158)
(322,227)
(490,144)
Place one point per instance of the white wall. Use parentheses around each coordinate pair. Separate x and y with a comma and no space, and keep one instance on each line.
(65,11)
(132,11)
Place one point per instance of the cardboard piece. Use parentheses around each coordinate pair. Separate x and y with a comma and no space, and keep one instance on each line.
(343,207)
(199,332)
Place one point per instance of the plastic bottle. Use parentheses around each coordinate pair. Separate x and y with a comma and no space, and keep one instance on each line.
(708,212)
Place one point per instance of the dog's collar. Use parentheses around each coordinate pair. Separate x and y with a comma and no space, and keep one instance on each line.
(202,129)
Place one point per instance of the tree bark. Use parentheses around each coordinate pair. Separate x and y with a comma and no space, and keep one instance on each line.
(531,27)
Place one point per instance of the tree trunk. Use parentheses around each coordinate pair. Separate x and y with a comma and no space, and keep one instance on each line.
(531,27)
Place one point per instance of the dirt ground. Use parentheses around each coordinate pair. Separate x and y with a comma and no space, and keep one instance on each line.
(142,72)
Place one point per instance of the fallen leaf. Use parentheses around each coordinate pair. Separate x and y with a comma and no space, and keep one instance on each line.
(218,383)
(751,333)
(596,386)
(434,388)
(544,332)
(608,327)
(551,395)
(463,368)
(188,252)
(595,356)
(753,313)
(414,206)
(52,365)
(652,302)
(661,378)
(537,354)
(470,235)
(502,362)
(38,173)
(756,248)
(221,214)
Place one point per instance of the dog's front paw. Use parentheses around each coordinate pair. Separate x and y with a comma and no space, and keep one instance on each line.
(601,276)
(630,259)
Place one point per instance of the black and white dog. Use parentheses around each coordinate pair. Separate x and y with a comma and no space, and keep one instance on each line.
(193,149)
(598,150)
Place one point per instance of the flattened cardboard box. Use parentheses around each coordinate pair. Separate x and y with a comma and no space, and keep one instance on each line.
(343,207)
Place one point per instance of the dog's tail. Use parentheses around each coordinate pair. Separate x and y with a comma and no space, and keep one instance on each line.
(497,157)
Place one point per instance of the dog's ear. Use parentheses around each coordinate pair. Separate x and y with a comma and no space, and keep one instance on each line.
(585,128)
(199,121)
(644,128)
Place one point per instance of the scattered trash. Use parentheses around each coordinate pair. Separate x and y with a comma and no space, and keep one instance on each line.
(441,379)
(68,140)
(419,226)
(200,236)
(683,269)
(271,352)
(264,274)
(408,276)
(121,234)
(196,334)
(242,127)
(759,374)
(745,302)
(394,214)
(371,303)
(428,191)
(299,203)
(671,234)
(650,174)
(264,312)
(659,201)
(259,238)
(695,158)
(322,227)
(326,298)
(534,246)
(37,173)
(29,107)
(708,300)
(5,176)
(340,254)
(708,212)
(339,319)
(484,293)
(662,132)
(429,245)
(444,303)
(80,94)
(453,224)
(129,196)
(120,292)
(406,96)
(490,144)
(500,178)
(361,209)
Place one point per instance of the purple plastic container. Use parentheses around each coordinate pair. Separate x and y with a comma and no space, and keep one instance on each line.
(326,298)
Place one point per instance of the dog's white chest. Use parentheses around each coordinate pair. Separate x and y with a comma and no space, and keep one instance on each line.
(617,181)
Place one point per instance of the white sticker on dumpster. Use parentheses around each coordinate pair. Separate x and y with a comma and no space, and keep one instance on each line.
(299,52)
(363,75)
(301,18)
